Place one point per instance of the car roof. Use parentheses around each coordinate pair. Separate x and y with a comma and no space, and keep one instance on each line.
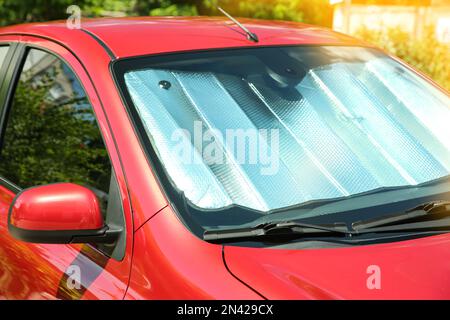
(137,36)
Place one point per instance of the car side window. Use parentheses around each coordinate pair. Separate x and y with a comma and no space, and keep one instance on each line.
(51,133)
(3,52)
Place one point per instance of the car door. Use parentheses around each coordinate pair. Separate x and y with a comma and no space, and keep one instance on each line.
(54,130)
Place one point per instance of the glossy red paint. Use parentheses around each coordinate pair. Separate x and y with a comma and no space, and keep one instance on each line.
(163,259)
(59,206)
(151,35)
(194,268)
(413,269)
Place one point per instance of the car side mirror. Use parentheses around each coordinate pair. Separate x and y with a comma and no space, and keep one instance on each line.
(59,213)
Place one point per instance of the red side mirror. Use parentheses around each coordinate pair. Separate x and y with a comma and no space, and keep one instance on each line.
(58,213)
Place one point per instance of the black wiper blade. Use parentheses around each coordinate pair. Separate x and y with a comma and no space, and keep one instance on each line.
(429,209)
(276,229)
(440,225)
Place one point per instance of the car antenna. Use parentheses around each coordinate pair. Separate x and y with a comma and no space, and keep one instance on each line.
(250,35)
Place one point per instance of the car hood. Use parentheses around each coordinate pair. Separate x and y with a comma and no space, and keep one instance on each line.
(413,269)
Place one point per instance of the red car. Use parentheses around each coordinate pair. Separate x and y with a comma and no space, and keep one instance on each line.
(196,158)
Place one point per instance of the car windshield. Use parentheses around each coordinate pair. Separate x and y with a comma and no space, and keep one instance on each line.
(275,127)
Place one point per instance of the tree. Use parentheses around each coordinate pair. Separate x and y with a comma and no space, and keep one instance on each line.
(427,53)
(13,11)
(309,11)
(173,7)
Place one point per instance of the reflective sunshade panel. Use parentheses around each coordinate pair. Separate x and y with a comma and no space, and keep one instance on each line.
(269,128)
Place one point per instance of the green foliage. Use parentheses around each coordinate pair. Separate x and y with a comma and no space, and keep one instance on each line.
(96,8)
(168,7)
(278,10)
(19,11)
(394,2)
(309,11)
(175,10)
(426,54)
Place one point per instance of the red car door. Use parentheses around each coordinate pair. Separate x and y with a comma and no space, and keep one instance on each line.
(54,130)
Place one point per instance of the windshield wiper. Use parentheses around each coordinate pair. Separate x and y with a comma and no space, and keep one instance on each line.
(434,209)
(410,220)
(275,231)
